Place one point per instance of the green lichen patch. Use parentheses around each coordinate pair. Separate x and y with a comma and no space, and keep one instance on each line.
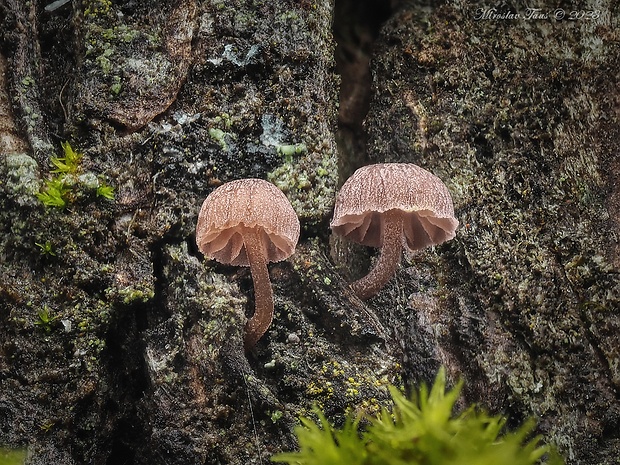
(210,298)
(308,365)
(309,183)
(332,382)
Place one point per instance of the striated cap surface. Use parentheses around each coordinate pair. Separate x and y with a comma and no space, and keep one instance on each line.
(423,199)
(237,206)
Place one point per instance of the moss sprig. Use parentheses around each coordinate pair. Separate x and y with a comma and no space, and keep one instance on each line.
(55,193)
(45,319)
(46,248)
(61,189)
(69,163)
(105,191)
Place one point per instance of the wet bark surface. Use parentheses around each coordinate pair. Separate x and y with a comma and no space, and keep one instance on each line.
(119,343)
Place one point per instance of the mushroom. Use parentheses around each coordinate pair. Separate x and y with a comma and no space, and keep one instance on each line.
(392,205)
(249,222)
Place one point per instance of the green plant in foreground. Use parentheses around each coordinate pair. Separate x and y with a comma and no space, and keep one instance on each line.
(12,456)
(420,430)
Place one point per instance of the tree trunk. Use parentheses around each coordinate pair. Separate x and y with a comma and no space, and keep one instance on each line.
(120,343)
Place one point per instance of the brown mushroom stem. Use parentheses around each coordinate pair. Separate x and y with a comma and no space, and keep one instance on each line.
(389,259)
(263,295)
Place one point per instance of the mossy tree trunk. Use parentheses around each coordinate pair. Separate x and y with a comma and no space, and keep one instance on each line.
(517,111)
(119,343)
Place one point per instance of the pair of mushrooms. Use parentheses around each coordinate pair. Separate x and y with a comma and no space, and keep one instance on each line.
(250,222)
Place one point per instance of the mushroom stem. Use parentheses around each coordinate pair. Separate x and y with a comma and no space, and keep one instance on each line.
(263,295)
(389,259)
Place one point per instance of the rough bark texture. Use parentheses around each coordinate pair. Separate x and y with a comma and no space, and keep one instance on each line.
(120,344)
(520,118)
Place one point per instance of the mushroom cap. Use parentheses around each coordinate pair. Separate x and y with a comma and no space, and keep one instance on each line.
(236,206)
(423,199)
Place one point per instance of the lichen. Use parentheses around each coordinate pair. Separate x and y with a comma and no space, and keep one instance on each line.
(21,177)
(309,183)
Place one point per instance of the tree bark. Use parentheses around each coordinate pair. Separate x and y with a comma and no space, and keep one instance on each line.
(119,343)
(517,111)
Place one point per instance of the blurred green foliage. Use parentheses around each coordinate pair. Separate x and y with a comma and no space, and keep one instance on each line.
(12,456)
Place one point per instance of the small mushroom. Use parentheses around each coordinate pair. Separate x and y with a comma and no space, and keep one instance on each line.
(392,205)
(249,222)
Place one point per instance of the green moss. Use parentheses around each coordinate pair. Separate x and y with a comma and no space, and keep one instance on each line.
(121,32)
(275,415)
(103,60)
(288,150)
(105,191)
(97,8)
(12,456)
(45,319)
(28,81)
(224,119)
(116,86)
(46,248)
(54,194)
(421,429)
(130,295)
(60,190)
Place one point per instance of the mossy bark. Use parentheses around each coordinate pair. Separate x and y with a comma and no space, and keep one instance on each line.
(518,113)
(141,358)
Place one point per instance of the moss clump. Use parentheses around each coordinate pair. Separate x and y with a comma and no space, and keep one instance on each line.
(422,429)
(58,191)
